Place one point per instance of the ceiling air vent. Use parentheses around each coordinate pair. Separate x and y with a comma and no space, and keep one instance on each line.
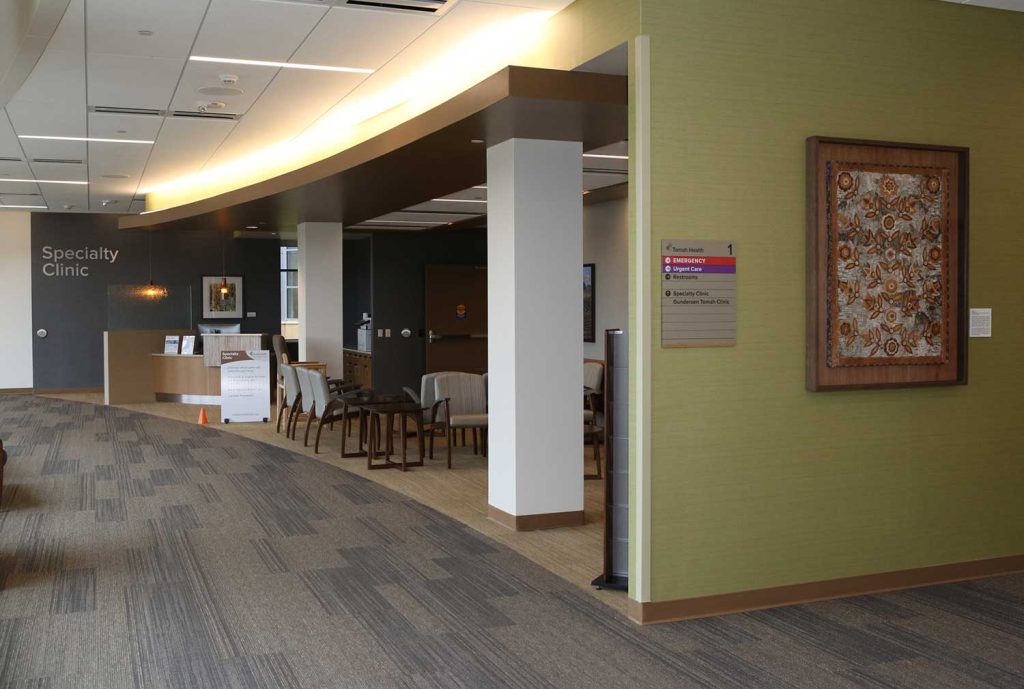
(58,161)
(205,115)
(418,6)
(9,160)
(111,110)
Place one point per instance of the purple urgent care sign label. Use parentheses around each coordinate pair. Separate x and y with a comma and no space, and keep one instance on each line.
(698,293)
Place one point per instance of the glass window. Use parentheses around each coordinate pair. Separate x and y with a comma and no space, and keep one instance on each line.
(289,284)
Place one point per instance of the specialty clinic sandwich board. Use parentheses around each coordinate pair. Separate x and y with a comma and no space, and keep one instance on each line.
(698,293)
(244,386)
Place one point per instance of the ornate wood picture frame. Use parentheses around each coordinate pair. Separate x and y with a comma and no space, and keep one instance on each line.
(886,264)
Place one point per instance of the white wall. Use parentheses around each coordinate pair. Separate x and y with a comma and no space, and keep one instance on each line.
(321,335)
(15,300)
(605,244)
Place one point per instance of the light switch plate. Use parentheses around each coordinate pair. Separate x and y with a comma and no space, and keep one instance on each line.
(250,314)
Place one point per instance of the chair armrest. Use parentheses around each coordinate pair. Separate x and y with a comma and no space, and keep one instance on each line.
(437,405)
(411,393)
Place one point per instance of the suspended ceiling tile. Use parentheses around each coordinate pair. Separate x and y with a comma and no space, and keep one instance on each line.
(43,119)
(75,173)
(357,38)
(9,145)
(117,126)
(59,197)
(114,27)
(243,29)
(293,101)
(133,82)
(58,78)
(183,147)
(550,5)
(251,81)
(70,33)
(21,200)
(7,188)
(15,170)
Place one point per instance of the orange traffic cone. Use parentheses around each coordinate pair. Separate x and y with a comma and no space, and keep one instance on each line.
(202,416)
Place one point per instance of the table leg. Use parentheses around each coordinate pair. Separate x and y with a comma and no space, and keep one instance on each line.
(403,427)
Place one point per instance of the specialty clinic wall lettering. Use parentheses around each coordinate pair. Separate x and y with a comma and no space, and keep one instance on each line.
(75,263)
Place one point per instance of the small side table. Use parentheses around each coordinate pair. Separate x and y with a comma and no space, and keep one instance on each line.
(382,417)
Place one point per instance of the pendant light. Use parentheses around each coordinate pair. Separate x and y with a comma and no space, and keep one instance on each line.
(152,291)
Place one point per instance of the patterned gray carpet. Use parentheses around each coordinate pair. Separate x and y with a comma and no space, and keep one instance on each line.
(141,552)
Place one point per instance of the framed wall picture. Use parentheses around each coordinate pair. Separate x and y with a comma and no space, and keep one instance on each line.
(886,264)
(589,304)
(220,301)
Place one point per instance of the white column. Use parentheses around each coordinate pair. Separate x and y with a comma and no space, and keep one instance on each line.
(16,300)
(321,333)
(535,332)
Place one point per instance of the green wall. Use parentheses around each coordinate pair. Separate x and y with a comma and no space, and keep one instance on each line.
(757,482)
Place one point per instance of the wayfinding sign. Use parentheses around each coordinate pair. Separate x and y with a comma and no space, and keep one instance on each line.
(698,293)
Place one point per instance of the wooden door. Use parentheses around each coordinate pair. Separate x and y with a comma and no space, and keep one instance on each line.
(456,318)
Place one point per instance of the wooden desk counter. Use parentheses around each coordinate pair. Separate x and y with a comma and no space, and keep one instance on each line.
(185,378)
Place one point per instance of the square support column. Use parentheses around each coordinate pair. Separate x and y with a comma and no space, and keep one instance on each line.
(321,328)
(535,333)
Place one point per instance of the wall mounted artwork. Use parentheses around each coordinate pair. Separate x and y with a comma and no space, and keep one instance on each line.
(886,264)
(222,296)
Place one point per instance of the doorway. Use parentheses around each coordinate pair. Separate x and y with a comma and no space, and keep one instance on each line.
(456,318)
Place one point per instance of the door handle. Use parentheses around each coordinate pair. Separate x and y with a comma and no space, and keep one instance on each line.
(434,337)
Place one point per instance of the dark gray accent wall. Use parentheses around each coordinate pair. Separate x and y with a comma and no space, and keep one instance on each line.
(73,308)
(399,275)
(357,279)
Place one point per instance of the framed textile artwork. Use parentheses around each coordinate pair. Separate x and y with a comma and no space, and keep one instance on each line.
(886,264)
(589,303)
(222,296)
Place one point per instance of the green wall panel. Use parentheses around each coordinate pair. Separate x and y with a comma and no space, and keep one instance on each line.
(757,482)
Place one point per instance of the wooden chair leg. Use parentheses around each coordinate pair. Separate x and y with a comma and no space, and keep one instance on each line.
(319,430)
(476,447)
(293,418)
(450,432)
(309,422)
(280,413)
(432,432)
(463,437)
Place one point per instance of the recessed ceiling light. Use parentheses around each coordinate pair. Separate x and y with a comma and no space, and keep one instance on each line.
(40,207)
(144,32)
(252,227)
(282,65)
(45,181)
(603,155)
(460,200)
(84,138)
(108,202)
(476,141)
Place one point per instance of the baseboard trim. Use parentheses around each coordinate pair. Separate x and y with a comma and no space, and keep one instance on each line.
(64,391)
(759,599)
(534,522)
(15,391)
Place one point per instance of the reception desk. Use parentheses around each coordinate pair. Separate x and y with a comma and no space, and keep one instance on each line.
(136,370)
(185,378)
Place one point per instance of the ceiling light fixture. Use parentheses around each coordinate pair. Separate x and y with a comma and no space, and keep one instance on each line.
(604,155)
(39,207)
(44,181)
(88,139)
(398,222)
(460,200)
(282,65)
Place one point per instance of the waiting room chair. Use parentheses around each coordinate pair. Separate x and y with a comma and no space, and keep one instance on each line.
(428,400)
(328,406)
(593,378)
(292,393)
(281,354)
(463,404)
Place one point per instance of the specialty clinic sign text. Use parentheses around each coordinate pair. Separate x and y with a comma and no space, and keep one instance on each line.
(75,263)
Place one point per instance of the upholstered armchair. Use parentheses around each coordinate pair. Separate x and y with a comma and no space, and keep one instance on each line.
(462,404)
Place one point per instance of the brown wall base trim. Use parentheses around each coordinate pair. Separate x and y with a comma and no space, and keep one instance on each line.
(15,391)
(533,522)
(66,391)
(689,608)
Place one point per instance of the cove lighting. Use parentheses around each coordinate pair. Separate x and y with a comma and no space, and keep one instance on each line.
(603,155)
(285,65)
(85,138)
(43,181)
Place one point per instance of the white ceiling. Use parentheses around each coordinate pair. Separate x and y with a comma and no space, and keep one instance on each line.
(99,57)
